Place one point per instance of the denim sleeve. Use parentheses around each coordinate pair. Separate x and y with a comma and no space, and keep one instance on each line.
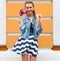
(22,28)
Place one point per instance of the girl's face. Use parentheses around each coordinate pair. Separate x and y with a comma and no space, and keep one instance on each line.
(29,8)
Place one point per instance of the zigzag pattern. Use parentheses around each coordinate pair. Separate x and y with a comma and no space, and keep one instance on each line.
(30,46)
(26,43)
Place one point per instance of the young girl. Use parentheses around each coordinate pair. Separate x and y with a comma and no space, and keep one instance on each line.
(27,44)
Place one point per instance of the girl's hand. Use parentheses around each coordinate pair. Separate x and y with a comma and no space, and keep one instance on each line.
(39,19)
(21,13)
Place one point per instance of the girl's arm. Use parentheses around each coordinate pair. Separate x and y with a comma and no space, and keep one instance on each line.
(38,28)
(39,25)
(22,26)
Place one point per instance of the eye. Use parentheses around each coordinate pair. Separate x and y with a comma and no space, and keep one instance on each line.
(30,7)
(27,7)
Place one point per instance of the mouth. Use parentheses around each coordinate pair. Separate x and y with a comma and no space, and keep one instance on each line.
(29,11)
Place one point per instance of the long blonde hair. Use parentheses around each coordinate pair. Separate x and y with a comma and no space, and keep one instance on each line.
(30,2)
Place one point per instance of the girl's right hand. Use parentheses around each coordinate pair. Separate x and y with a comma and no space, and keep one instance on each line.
(21,13)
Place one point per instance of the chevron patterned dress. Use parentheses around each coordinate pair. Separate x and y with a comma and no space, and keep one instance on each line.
(26,46)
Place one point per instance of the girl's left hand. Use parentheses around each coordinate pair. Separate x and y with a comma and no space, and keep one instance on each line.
(39,18)
(39,21)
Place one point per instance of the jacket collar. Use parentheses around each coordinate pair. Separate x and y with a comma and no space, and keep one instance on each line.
(26,16)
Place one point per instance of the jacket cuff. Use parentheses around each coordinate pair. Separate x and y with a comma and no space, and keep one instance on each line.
(22,28)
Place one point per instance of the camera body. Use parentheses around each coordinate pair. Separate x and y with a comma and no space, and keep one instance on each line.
(22,12)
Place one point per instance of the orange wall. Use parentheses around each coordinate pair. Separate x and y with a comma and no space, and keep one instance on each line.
(12,22)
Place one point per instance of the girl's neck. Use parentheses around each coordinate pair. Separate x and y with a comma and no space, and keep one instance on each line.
(30,16)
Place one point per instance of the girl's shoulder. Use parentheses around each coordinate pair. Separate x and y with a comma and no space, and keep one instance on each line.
(25,16)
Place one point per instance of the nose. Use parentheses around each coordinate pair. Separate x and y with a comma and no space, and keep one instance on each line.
(29,9)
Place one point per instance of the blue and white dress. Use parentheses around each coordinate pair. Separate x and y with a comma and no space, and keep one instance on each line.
(27,46)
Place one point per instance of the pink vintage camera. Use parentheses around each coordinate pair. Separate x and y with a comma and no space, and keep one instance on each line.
(22,12)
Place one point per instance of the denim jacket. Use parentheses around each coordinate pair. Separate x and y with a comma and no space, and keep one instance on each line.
(26,28)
